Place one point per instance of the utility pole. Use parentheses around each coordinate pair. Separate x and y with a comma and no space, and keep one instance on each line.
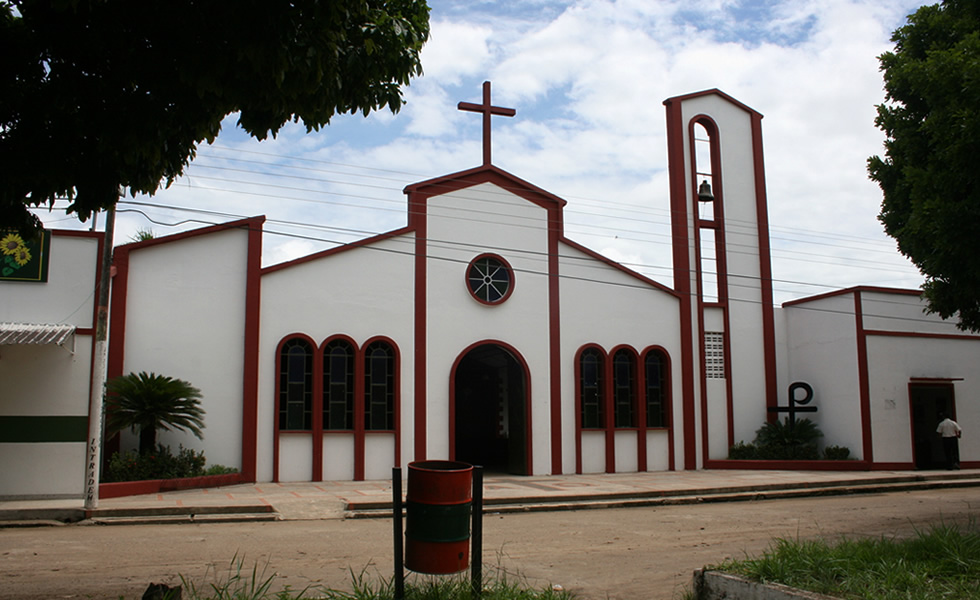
(95,409)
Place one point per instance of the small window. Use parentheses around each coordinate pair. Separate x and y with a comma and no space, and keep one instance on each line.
(296,386)
(591,390)
(624,389)
(379,387)
(714,355)
(490,279)
(654,366)
(338,386)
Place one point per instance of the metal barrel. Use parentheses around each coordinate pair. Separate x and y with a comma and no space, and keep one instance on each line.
(437,511)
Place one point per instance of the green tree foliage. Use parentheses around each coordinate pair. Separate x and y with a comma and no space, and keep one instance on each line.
(931,118)
(146,402)
(101,94)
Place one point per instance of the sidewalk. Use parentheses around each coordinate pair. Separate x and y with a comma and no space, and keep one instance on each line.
(352,499)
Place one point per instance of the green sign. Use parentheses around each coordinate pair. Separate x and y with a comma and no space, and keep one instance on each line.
(24,260)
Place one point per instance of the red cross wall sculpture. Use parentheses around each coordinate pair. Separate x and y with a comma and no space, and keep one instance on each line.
(487,109)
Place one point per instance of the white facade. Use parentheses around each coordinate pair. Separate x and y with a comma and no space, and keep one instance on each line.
(44,387)
(479,332)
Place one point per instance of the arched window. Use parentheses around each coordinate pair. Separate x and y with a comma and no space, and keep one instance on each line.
(655,365)
(591,390)
(296,385)
(624,389)
(338,385)
(379,387)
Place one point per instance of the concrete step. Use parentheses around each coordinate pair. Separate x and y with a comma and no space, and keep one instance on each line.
(239,517)
(366,510)
(181,514)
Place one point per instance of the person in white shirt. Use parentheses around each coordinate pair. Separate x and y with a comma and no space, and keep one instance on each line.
(950,431)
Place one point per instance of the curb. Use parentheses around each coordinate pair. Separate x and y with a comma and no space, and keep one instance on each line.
(716,585)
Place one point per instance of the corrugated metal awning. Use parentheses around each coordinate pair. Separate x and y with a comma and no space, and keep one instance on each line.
(30,333)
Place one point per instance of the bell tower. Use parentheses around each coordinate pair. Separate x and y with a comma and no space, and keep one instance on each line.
(720,231)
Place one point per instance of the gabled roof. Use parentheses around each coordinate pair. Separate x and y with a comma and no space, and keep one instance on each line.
(485,174)
(712,92)
(852,290)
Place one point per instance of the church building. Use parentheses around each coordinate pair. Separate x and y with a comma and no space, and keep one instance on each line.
(479,332)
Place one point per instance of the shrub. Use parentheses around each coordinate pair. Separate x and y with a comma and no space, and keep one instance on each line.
(780,441)
(836,452)
(220,470)
(743,451)
(158,464)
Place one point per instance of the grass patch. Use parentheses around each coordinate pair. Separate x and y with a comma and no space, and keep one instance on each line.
(943,562)
(241,583)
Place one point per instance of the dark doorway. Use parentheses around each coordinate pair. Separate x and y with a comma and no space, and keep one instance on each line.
(927,402)
(491,419)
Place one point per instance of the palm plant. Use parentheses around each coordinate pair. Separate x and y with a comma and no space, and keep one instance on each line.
(148,402)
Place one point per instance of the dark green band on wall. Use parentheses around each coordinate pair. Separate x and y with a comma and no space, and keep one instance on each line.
(43,429)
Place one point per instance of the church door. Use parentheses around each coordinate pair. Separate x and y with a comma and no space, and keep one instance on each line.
(490,426)
(927,401)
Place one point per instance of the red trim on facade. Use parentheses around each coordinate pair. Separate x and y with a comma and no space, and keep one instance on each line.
(682,272)
(529,429)
(117,316)
(554,338)
(917,334)
(155,486)
(863,379)
(850,290)
(484,174)
(791,465)
(892,466)
(638,276)
(417,219)
(765,264)
(712,92)
(339,249)
(118,292)
(252,325)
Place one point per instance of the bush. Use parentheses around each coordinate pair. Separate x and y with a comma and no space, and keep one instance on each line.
(743,451)
(220,470)
(780,441)
(837,453)
(159,464)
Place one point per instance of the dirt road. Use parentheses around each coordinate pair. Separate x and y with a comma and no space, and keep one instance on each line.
(619,554)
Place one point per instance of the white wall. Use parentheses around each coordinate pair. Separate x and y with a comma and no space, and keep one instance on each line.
(185,318)
(821,341)
(361,292)
(473,221)
(68,296)
(605,306)
(44,381)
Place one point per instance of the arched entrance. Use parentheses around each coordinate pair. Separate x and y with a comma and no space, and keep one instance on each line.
(490,424)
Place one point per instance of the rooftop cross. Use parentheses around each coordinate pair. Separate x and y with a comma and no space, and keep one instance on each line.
(487,109)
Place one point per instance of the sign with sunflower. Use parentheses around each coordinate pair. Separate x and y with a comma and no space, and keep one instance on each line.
(24,260)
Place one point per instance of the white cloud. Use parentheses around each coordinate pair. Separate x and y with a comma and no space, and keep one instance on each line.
(588,79)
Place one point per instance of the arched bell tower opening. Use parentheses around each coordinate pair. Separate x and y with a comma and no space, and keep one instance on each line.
(490,421)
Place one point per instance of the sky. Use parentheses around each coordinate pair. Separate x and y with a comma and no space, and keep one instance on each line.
(588,79)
